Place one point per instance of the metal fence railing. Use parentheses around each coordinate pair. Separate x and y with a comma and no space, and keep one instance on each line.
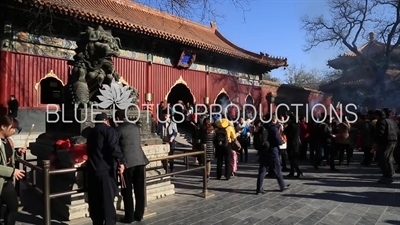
(47,172)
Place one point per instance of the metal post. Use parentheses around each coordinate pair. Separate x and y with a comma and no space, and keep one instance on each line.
(147,213)
(145,188)
(34,177)
(205,193)
(46,192)
(187,162)
(205,171)
(17,183)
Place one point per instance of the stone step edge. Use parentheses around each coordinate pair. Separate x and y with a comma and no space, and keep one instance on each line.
(152,194)
(81,210)
(149,188)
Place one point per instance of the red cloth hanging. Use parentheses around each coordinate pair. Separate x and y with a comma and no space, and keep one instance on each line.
(63,144)
(79,153)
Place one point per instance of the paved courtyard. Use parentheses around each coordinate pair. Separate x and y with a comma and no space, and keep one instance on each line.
(350,197)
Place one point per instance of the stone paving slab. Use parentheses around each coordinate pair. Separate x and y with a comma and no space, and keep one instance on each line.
(320,197)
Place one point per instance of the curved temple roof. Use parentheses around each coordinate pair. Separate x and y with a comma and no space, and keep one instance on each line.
(127,15)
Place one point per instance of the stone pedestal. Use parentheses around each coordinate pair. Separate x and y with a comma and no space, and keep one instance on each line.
(75,206)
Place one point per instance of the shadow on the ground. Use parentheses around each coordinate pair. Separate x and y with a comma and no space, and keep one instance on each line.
(332,182)
(367,197)
(31,219)
(198,187)
(394,222)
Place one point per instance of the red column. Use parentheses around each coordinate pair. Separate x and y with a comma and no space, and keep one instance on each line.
(149,76)
(4,92)
(206,89)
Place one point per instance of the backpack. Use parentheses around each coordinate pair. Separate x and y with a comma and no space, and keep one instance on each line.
(258,141)
(221,138)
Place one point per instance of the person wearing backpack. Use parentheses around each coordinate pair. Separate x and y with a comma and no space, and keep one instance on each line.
(224,137)
(261,144)
(275,141)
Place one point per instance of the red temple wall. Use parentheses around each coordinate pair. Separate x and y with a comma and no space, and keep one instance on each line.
(20,72)
(164,78)
(135,73)
(237,93)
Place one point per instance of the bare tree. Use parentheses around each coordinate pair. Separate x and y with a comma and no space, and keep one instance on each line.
(302,77)
(349,21)
(200,10)
(269,77)
(330,75)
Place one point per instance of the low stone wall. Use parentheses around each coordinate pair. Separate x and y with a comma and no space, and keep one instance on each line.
(75,206)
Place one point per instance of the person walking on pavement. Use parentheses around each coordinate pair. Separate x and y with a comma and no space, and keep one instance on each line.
(275,141)
(135,162)
(261,144)
(385,143)
(105,159)
(8,172)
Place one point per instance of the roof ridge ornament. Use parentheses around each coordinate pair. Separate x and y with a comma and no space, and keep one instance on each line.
(213,26)
(371,36)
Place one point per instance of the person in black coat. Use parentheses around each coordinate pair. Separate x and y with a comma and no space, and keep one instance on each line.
(385,141)
(13,106)
(292,132)
(135,163)
(275,141)
(261,144)
(105,159)
(325,138)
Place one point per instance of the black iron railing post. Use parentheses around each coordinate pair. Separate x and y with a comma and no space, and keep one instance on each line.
(145,187)
(205,172)
(187,162)
(46,192)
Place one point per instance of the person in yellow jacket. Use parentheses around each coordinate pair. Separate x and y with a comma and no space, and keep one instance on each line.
(225,136)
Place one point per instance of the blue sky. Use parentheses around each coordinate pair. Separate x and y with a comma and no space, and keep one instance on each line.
(274,27)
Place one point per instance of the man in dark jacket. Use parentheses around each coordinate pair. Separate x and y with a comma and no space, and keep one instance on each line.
(325,139)
(13,106)
(135,162)
(292,132)
(385,143)
(105,158)
(261,144)
(275,141)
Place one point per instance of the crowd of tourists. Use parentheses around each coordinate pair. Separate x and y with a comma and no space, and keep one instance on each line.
(287,138)
(114,152)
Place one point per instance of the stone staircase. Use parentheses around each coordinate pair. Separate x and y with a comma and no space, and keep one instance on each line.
(78,207)
(184,139)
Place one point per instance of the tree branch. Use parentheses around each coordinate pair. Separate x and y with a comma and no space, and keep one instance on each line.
(199,10)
